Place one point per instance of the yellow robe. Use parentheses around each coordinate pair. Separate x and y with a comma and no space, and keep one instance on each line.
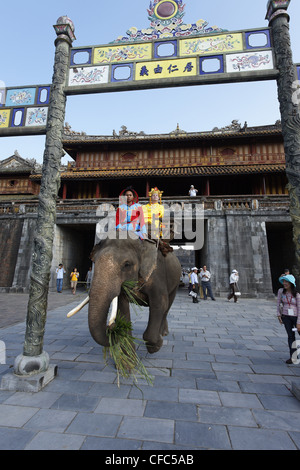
(153,214)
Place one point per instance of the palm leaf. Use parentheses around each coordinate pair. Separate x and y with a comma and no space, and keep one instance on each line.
(131,290)
(122,351)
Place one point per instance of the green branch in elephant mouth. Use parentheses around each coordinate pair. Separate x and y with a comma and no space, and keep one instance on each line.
(122,351)
(130,289)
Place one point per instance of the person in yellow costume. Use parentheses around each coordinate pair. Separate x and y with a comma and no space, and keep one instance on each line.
(153,214)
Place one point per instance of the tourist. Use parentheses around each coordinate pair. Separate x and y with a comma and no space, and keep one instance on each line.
(190,282)
(74,279)
(205,282)
(233,280)
(60,271)
(195,285)
(88,278)
(285,272)
(200,285)
(288,312)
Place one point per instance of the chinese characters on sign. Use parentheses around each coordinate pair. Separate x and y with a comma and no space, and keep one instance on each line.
(166,69)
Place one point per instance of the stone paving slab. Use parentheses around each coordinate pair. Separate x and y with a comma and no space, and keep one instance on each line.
(220,383)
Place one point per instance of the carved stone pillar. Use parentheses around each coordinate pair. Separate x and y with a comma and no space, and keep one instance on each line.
(290,112)
(34,360)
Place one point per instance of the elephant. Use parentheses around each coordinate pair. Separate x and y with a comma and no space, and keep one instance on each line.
(132,259)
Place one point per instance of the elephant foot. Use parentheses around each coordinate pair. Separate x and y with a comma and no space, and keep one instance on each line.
(153,348)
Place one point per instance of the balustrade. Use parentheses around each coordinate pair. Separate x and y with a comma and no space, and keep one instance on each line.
(211,203)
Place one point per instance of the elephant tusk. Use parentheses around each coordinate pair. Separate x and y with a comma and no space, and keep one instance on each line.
(114,309)
(79,307)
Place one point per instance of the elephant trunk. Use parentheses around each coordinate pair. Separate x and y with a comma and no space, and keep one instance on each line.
(97,318)
(102,294)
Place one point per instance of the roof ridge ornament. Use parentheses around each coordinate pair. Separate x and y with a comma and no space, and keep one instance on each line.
(166,21)
(124,132)
(177,131)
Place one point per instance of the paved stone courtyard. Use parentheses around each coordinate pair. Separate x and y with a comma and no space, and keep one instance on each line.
(220,382)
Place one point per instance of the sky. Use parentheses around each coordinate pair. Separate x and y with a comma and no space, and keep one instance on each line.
(27,58)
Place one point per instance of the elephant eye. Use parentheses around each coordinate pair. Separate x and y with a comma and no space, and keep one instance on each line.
(127,264)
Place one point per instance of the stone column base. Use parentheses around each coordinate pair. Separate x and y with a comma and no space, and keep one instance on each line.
(28,383)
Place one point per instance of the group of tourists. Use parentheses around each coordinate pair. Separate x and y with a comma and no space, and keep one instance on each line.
(199,283)
(74,277)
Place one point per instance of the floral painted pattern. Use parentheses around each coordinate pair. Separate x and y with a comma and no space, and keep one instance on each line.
(212,44)
(20,97)
(88,75)
(36,116)
(249,61)
(4,118)
(122,53)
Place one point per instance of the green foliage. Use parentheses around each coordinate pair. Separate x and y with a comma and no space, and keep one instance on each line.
(122,344)
(131,290)
(122,351)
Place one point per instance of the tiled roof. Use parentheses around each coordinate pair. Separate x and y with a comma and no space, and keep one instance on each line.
(214,170)
(90,139)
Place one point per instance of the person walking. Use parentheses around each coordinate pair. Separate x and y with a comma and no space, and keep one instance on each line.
(74,279)
(195,285)
(200,285)
(88,278)
(233,280)
(205,282)
(288,312)
(60,271)
(190,286)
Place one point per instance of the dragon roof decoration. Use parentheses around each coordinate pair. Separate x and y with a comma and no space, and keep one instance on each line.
(165,22)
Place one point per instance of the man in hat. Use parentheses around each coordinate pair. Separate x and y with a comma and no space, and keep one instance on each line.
(195,285)
(233,279)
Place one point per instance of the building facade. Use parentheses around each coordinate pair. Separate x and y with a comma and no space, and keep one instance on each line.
(239,172)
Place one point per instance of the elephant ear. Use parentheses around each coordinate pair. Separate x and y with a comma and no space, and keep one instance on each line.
(148,259)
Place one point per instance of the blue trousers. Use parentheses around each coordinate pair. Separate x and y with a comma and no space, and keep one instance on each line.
(59,284)
(207,289)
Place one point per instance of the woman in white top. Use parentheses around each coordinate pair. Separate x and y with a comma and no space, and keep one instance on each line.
(288,312)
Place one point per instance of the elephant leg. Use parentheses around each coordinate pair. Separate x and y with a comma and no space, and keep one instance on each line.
(164,329)
(158,308)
